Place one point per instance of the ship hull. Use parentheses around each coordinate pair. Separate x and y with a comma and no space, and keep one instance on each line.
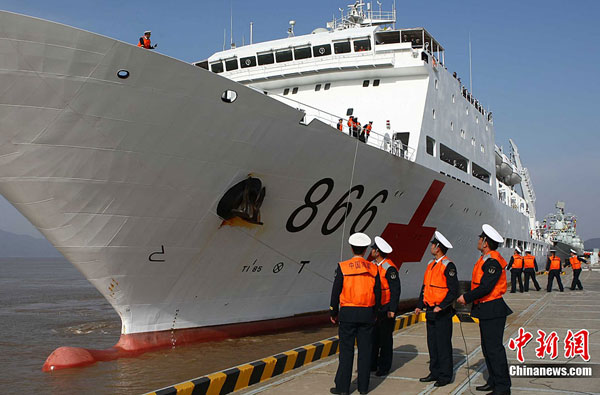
(124,177)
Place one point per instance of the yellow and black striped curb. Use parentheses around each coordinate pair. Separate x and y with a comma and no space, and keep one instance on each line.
(545,273)
(242,376)
(462,317)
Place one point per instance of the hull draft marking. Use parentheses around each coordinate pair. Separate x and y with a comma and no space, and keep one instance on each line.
(410,241)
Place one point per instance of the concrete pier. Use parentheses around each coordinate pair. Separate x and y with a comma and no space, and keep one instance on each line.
(534,310)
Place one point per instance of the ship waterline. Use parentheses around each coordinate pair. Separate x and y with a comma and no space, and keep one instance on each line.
(124,177)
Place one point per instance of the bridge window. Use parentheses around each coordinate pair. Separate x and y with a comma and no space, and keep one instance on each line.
(286,91)
(231,64)
(430,146)
(203,64)
(322,50)
(295,90)
(376,82)
(342,47)
(216,67)
(382,38)
(327,86)
(302,53)
(266,58)
(365,83)
(283,56)
(453,158)
(250,61)
(362,45)
(317,87)
(481,173)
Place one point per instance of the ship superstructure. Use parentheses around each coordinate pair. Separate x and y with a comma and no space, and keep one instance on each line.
(560,229)
(220,200)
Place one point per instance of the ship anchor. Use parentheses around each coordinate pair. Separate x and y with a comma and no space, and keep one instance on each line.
(243,200)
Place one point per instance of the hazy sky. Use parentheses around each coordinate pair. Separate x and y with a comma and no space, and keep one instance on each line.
(535,65)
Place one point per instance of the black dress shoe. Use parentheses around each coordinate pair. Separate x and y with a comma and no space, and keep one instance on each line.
(363,392)
(485,387)
(428,378)
(507,392)
(380,373)
(441,383)
(334,390)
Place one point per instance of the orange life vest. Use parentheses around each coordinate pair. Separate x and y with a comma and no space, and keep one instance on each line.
(529,262)
(351,122)
(554,263)
(435,282)
(368,129)
(146,41)
(359,281)
(340,126)
(517,261)
(385,286)
(575,263)
(500,287)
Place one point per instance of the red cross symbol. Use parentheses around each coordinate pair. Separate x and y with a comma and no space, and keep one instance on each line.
(410,242)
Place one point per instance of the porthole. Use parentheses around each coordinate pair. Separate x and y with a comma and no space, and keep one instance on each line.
(451,125)
(436,84)
(453,99)
(123,74)
(467,110)
(433,113)
(477,120)
(229,96)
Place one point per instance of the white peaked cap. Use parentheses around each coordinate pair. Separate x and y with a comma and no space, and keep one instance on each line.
(552,250)
(147,31)
(382,245)
(573,251)
(528,250)
(492,233)
(443,241)
(518,250)
(359,240)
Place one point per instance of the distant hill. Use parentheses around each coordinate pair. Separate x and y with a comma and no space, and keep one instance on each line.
(592,243)
(13,246)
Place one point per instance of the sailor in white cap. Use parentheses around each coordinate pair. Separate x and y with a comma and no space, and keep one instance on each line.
(554,267)
(488,284)
(144,41)
(383,343)
(439,290)
(575,264)
(355,299)
(516,270)
(530,267)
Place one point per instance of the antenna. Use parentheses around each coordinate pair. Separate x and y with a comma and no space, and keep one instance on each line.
(224,38)
(231,24)
(394,10)
(470,68)
(251,31)
(291,28)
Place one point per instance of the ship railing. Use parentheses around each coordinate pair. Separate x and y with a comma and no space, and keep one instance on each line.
(384,142)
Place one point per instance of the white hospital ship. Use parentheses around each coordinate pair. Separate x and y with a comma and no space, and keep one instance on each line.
(214,199)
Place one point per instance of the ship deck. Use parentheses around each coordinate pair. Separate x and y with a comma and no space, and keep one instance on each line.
(549,312)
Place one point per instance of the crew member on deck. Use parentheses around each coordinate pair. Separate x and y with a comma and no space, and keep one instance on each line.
(355,299)
(340,125)
(381,356)
(440,288)
(488,284)
(553,267)
(516,270)
(575,263)
(145,41)
(530,267)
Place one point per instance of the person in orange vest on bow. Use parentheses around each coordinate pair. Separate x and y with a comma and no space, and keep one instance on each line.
(145,41)
(383,342)
(553,266)
(488,284)
(575,264)
(352,127)
(516,270)
(340,125)
(355,300)
(366,132)
(439,290)
(530,267)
